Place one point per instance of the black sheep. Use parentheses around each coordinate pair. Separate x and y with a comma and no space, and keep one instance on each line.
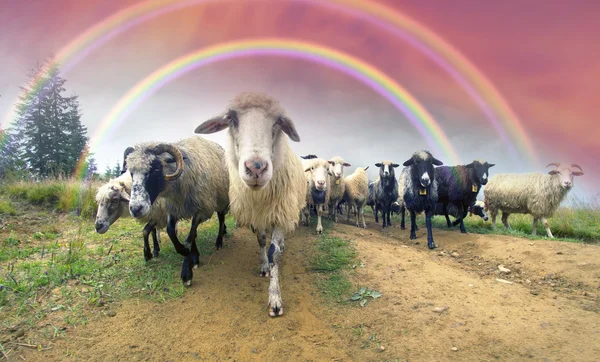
(385,191)
(371,199)
(476,209)
(420,190)
(460,185)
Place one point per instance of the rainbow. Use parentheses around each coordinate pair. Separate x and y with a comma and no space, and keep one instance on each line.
(367,74)
(449,58)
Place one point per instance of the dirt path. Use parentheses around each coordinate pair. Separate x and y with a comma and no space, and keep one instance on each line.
(549,312)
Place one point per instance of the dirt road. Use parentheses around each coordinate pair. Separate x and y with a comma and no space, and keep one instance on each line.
(549,312)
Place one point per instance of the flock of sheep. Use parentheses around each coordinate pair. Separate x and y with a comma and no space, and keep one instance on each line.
(270,189)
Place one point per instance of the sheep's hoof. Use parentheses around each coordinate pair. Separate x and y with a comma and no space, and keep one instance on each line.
(147,255)
(219,243)
(186,271)
(412,236)
(195,260)
(431,245)
(276,309)
(320,230)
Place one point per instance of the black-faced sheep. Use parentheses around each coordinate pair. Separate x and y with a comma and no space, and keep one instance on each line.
(385,191)
(532,193)
(460,185)
(268,186)
(477,209)
(317,189)
(420,190)
(357,192)
(191,177)
(336,184)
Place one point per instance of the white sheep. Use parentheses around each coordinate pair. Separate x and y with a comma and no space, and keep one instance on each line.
(191,176)
(113,202)
(337,186)
(267,182)
(357,192)
(317,189)
(532,193)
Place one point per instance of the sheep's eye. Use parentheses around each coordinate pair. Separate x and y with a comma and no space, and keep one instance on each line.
(232,119)
(312,168)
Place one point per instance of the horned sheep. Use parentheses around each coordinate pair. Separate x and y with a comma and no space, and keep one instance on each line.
(190,176)
(267,181)
(356,193)
(459,185)
(532,193)
(420,190)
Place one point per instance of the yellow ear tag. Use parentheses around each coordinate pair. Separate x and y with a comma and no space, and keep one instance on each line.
(422,191)
(474,188)
(337,182)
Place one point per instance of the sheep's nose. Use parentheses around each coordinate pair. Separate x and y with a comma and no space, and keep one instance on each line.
(338,175)
(567,183)
(386,173)
(135,210)
(255,167)
(320,183)
(98,226)
(425,181)
(485,218)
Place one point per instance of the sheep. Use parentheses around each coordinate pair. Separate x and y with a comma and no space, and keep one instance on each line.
(267,182)
(357,192)
(529,193)
(371,198)
(191,177)
(385,191)
(317,189)
(460,185)
(420,192)
(336,184)
(478,208)
(113,202)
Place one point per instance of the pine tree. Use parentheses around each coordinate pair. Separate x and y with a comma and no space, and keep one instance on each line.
(92,169)
(116,171)
(108,172)
(48,127)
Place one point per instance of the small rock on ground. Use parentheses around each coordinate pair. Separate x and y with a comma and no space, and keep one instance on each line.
(440,309)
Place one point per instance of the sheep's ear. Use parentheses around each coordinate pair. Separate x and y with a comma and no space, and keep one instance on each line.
(331,162)
(436,162)
(409,162)
(470,165)
(366,168)
(491,165)
(124,196)
(346,164)
(288,127)
(577,173)
(308,169)
(394,165)
(378,165)
(553,172)
(213,125)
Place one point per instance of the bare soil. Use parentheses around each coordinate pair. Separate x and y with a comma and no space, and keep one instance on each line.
(549,312)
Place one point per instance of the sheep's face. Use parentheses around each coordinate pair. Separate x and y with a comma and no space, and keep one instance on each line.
(319,170)
(256,138)
(386,169)
(110,207)
(479,211)
(422,169)
(336,167)
(481,169)
(565,174)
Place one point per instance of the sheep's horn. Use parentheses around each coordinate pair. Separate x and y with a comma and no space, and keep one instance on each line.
(173,151)
(128,150)
(555,164)
(576,165)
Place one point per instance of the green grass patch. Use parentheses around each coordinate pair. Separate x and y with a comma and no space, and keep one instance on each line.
(7,208)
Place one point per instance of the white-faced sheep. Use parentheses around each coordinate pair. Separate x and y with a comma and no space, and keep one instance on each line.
(459,185)
(420,190)
(267,181)
(317,189)
(532,193)
(113,202)
(385,191)
(190,175)
(337,186)
(356,193)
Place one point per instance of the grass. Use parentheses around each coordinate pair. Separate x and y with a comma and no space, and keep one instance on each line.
(57,272)
(579,222)
(332,259)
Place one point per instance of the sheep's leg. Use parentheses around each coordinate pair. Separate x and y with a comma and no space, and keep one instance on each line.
(155,241)
(172,232)
(349,208)
(362,214)
(274,256)
(146,232)
(376,212)
(457,221)
(428,215)
(261,237)
(493,214)
(219,241)
(505,216)
(445,211)
(389,212)
(535,222)
(462,218)
(357,214)
(306,212)
(547,226)
(319,215)
(403,213)
(413,224)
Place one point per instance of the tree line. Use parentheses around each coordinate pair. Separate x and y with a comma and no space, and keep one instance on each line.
(47,138)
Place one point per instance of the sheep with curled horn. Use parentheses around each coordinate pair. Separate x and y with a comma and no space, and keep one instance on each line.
(190,175)
(267,182)
(419,191)
(113,202)
(531,193)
